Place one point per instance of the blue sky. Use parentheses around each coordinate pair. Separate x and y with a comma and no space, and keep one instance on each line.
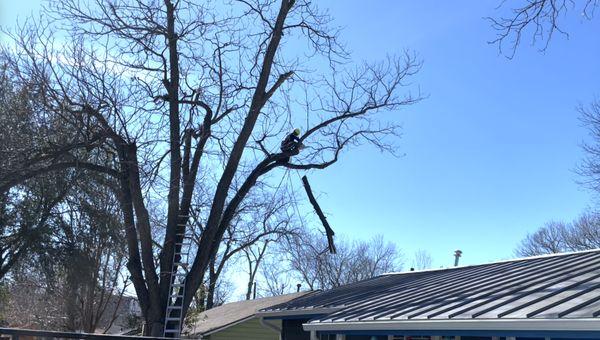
(489,155)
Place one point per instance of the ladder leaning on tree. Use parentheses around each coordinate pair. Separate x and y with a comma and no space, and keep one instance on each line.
(179,271)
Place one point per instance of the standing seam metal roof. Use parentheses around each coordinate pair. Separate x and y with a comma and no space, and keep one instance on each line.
(563,286)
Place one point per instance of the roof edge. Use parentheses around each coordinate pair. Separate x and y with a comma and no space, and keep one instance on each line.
(496,262)
(463,325)
(298,312)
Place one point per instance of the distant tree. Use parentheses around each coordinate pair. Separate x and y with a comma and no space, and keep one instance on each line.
(549,239)
(422,260)
(262,219)
(589,169)
(556,237)
(79,266)
(541,20)
(538,19)
(90,253)
(32,303)
(276,277)
(316,268)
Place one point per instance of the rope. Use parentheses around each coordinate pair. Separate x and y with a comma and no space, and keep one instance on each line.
(295,202)
(277,189)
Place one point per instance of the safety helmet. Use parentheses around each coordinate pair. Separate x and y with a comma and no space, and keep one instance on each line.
(297,132)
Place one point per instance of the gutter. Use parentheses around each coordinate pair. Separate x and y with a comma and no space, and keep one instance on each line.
(464,325)
(308,312)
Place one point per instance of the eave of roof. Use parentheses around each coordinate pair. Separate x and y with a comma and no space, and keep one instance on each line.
(488,325)
(308,312)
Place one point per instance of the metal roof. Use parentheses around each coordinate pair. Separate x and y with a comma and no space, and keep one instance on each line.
(562,286)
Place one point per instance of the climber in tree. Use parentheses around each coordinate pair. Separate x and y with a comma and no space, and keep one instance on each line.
(291,145)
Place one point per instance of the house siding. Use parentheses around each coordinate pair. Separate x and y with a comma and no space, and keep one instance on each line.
(249,330)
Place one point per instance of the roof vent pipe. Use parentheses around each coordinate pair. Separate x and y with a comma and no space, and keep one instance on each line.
(457,255)
(298,287)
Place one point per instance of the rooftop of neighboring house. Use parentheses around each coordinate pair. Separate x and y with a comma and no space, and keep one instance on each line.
(230,314)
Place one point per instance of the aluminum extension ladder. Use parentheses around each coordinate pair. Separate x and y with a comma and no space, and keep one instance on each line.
(179,270)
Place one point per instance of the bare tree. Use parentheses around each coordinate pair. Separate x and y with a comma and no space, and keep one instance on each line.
(275,278)
(261,220)
(354,261)
(30,304)
(556,237)
(78,264)
(163,96)
(589,169)
(548,239)
(92,259)
(538,18)
(422,260)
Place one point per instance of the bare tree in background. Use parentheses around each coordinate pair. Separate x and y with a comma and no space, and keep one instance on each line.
(161,96)
(589,169)
(78,265)
(556,237)
(91,258)
(422,260)
(539,19)
(262,219)
(354,261)
(277,278)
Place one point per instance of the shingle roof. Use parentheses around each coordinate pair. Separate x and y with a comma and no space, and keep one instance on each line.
(231,313)
(563,286)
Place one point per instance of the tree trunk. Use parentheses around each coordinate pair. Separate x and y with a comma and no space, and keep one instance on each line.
(212,235)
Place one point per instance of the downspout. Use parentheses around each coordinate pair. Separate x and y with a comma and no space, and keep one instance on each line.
(273,327)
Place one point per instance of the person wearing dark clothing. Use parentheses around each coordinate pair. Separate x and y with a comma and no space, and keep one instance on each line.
(291,142)
(291,145)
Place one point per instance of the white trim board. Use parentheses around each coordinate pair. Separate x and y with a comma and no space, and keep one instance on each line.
(464,325)
(296,312)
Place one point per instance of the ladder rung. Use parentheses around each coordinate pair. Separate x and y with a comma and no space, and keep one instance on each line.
(171,331)
(182,264)
(172,319)
(183,244)
(174,307)
(178,284)
(176,296)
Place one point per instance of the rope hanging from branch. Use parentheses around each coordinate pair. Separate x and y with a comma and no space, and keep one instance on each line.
(328,231)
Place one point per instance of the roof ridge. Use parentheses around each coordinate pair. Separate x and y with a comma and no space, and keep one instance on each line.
(496,262)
